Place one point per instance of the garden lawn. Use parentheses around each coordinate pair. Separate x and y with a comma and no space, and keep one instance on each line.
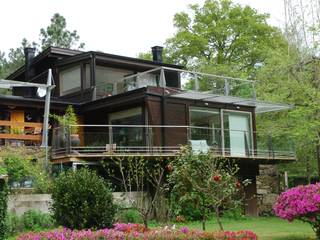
(265,227)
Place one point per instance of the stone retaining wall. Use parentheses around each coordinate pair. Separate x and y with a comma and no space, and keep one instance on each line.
(20,203)
(267,188)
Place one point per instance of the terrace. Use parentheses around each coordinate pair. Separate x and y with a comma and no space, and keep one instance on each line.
(224,123)
(107,141)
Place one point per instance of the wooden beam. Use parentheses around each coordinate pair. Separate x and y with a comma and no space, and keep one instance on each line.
(20,124)
(21,137)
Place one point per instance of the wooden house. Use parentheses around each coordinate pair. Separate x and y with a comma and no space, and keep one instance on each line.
(128,106)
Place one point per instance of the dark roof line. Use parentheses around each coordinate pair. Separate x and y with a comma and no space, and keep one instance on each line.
(45,53)
(70,52)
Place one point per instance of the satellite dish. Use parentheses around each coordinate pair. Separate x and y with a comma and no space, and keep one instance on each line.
(41,92)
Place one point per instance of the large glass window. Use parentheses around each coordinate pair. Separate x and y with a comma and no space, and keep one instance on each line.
(127,136)
(109,81)
(88,77)
(237,133)
(70,80)
(206,125)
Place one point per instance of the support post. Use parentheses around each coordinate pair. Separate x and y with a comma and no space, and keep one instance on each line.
(162,78)
(196,84)
(46,119)
(226,87)
(110,139)
(286,182)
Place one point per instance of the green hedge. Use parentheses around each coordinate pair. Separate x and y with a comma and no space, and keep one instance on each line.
(82,200)
(3,207)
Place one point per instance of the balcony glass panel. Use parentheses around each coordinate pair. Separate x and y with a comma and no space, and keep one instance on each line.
(109,81)
(127,136)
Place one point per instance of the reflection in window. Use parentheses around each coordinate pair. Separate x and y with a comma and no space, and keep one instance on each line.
(88,77)
(109,81)
(207,125)
(127,136)
(70,80)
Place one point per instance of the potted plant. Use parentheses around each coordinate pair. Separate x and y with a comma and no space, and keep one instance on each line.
(69,122)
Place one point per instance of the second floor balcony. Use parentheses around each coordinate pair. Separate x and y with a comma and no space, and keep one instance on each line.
(103,141)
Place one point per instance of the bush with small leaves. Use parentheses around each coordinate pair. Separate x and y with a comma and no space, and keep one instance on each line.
(81,200)
(3,207)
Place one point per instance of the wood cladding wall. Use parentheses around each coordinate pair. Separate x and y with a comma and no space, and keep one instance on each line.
(175,114)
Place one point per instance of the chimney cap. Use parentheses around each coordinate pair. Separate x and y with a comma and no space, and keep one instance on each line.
(157,47)
(157,53)
(29,50)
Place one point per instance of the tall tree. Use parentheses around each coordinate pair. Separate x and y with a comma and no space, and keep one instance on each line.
(221,33)
(57,35)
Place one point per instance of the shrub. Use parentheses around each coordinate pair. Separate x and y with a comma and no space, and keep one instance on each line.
(30,221)
(129,216)
(208,183)
(138,232)
(3,207)
(21,167)
(81,199)
(302,203)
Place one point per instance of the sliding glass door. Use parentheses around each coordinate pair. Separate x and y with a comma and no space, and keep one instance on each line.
(237,133)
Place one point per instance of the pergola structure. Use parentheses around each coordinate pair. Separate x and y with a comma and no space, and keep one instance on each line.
(44,90)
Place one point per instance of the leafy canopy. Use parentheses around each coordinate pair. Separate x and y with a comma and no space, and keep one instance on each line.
(221,32)
(57,35)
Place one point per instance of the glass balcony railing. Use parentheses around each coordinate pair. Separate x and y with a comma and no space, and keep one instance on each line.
(150,140)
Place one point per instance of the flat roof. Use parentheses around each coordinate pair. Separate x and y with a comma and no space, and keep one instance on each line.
(260,106)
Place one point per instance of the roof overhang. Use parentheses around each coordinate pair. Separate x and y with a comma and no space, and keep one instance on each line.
(260,106)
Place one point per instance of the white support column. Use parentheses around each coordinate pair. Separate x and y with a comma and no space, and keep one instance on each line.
(46,118)
(162,78)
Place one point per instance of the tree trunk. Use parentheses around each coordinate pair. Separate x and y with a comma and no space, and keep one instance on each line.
(204,221)
(317,231)
(145,222)
(318,156)
(218,218)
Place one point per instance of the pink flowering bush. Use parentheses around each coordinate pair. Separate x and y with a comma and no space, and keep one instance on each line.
(302,203)
(137,232)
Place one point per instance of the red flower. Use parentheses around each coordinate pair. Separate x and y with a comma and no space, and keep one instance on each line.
(238,184)
(169,167)
(216,178)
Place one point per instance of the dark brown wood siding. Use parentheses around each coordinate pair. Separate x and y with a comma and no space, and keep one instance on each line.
(154,108)
(175,114)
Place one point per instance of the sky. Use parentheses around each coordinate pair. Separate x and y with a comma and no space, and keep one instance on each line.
(124,27)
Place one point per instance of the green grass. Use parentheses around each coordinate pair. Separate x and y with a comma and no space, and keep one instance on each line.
(265,227)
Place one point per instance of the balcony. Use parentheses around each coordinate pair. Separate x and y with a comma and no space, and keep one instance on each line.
(20,133)
(104,141)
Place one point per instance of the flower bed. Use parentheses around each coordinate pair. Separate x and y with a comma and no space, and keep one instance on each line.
(137,232)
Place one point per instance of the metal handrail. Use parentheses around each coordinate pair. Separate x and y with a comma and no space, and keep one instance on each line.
(111,141)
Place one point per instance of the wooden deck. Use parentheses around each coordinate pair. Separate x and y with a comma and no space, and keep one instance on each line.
(76,156)
(24,131)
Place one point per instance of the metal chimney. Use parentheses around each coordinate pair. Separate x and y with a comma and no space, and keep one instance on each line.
(29,55)
(157,54)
